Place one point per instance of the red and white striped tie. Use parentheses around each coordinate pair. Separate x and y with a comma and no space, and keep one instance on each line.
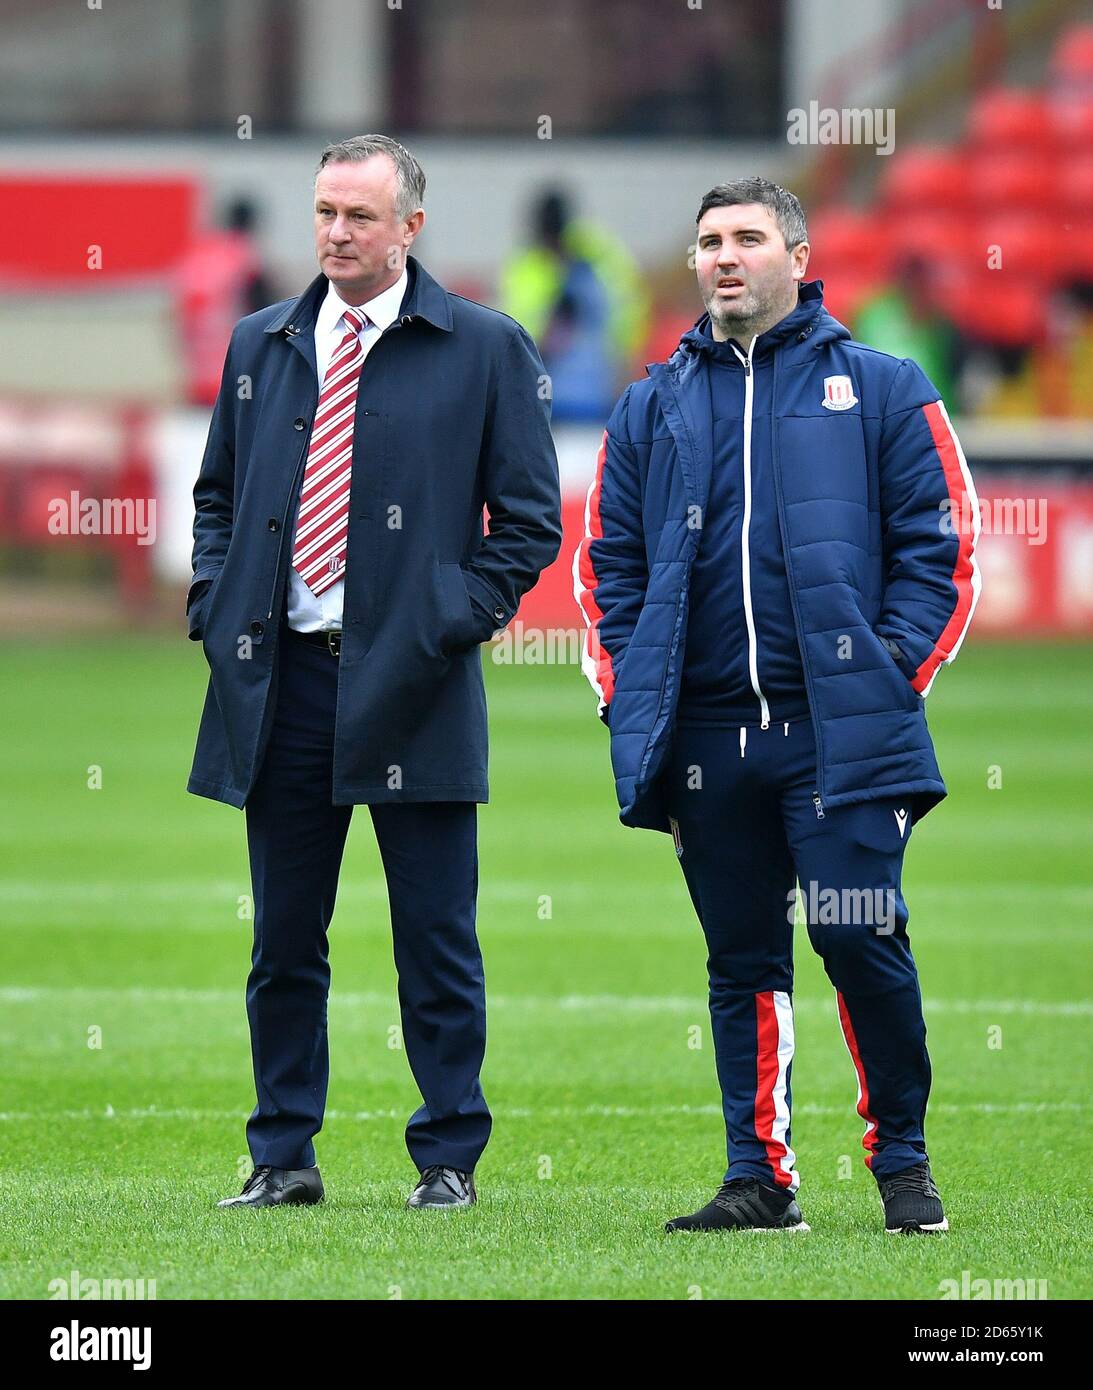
(322,524)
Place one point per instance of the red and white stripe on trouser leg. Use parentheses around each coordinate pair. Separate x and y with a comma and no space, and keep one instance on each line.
(869,1138)
(774,1036)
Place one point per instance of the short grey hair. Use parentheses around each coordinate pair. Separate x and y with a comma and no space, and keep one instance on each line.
(784,207)
(409,175)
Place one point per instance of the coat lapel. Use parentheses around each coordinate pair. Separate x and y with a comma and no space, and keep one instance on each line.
(296,322)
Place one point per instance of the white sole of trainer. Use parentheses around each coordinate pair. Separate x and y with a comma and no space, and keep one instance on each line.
(936,1228)
(801,1227)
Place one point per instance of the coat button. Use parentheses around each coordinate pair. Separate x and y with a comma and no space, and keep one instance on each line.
(299,423)
(498,613)
(273,524)
(257,628)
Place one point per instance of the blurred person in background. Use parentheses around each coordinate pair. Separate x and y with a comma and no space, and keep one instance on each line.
(342,587)
(219,280)
(1053,380)
(906,319)
(581,297)
(778,558)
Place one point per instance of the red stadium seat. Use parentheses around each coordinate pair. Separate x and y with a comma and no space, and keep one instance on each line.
(1001,309)
(1076,184)
(1073,54)
(1072,120)
(1010,117)
(842,236)
(1011,180)
(925,176)
(1075,250)
(934,235)
(845,287)
(1070,88)
(1029,245)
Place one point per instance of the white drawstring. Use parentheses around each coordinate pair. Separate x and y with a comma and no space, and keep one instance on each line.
(743,739)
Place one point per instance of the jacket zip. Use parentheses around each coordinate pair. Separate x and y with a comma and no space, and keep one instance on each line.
(745,535)
(798,627)
(296,476)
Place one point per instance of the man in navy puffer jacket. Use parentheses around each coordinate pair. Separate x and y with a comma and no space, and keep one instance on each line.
(779,554)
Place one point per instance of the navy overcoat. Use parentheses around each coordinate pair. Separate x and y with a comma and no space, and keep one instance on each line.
(453,414)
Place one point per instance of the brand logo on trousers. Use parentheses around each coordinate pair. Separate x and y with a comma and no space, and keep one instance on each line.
(901,821)
(839,393)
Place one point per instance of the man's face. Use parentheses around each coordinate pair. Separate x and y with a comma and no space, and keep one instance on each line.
(360,240)
(745,274)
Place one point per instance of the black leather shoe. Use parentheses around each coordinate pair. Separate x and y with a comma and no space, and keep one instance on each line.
(272,1187)
(443,1187)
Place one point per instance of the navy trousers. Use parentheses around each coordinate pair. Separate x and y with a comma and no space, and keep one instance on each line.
(295,838)
(748,830)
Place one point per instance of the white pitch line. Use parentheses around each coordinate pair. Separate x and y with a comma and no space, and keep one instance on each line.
(213,908)
(554,1112)
(567,1003)
(202,891)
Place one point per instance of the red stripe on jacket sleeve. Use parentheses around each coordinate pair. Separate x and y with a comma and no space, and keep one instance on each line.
(964,511)
(598,667)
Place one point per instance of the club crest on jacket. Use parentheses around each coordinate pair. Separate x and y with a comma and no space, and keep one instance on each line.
(839,393)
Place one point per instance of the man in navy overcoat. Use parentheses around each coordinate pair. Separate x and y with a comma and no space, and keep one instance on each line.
(342,587)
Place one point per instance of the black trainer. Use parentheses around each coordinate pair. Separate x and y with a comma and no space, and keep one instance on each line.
(912,1204)
(745,1204)
(443,1187)
(274,1187)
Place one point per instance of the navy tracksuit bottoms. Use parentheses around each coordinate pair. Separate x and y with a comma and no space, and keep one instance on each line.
(296,836)
(748,828)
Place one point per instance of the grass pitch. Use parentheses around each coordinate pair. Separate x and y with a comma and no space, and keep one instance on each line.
(122,927)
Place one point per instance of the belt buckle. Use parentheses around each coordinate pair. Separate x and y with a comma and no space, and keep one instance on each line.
(334,643)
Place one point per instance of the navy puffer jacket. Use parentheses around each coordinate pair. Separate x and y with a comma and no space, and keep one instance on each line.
(878,518)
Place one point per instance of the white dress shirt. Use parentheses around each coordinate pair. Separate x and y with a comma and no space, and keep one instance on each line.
(308,612)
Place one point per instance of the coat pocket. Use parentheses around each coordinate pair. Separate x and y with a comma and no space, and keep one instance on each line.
(201,606)
(204,606)
(912,697)
(460,626)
